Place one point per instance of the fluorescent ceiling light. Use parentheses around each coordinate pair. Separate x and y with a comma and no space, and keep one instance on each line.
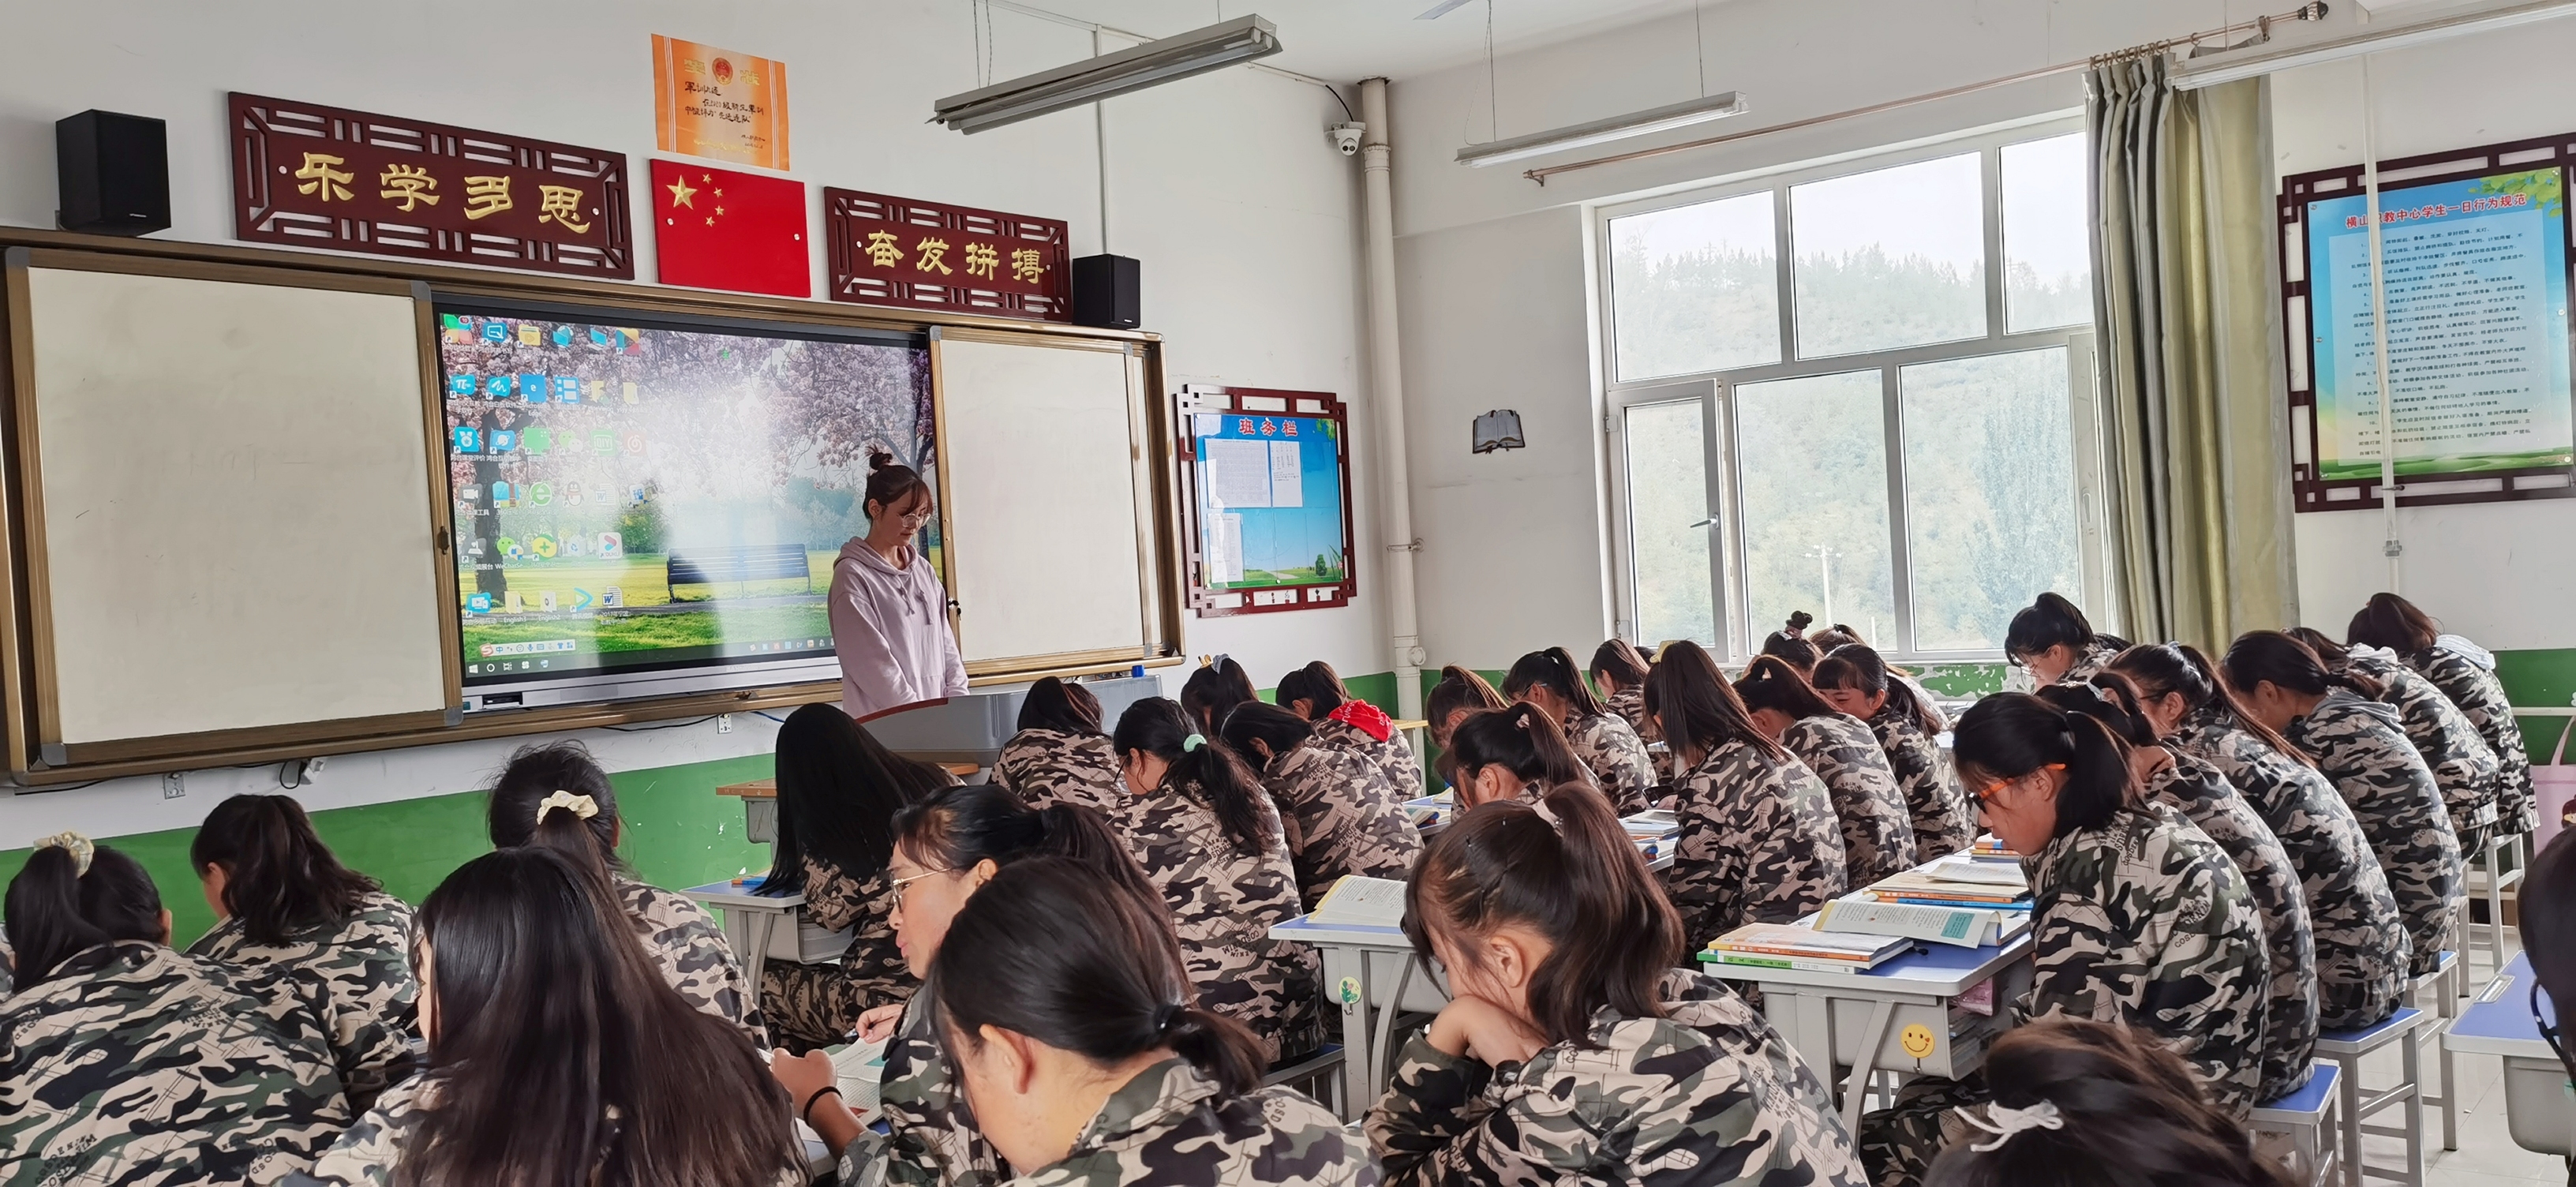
(1679,115)
(1093,79)
(2372,42)
(1439,10)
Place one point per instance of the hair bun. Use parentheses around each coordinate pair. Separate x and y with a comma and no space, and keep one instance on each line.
(1798,621)
(879,459)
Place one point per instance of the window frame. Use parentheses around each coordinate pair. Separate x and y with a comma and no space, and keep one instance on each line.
(1728,561)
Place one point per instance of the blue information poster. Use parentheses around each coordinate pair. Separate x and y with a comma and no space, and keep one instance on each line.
(2476,290)
(1270,500)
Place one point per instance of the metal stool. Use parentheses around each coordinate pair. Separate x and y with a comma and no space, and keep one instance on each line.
(2346,1049)
(2303,1117)
(2440,992)
(2497,881)
(1318,1069)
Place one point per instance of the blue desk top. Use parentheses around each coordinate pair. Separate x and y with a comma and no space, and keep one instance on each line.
(1939,970)
(2498,1020)
(743,894)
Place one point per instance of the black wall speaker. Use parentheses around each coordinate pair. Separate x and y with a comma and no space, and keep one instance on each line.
(115,172)
(1106,292)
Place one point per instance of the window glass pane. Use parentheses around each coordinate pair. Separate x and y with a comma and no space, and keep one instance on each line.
(1890,258)
(2048,252)
(1989,493)
(1667,530)
(1695,288)
(1812,457)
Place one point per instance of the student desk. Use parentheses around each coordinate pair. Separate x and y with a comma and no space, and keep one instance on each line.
(1368,972)
(760,802)
(2537,1109)
(760,927)
(1896,1017)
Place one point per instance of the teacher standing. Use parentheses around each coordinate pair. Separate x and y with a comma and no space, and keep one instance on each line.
(889,612)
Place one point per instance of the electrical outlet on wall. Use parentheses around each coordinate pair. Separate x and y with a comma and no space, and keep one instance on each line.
(724,723)
(174,785)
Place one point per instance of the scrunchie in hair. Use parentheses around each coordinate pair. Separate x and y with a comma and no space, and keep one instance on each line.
(581,806)
(81,848)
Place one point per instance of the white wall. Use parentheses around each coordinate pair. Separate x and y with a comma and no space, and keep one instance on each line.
(2496,572)
(1470,236)
(1224,186)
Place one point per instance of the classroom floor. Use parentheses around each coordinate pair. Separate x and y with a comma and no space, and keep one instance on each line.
(2487,1156)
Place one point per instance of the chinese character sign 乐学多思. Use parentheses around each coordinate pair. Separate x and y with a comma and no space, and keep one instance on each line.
(323,176)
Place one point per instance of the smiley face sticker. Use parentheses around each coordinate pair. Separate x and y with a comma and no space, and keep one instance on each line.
(1916,1039)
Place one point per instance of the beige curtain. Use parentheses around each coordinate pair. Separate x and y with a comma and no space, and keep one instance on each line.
(2194,424)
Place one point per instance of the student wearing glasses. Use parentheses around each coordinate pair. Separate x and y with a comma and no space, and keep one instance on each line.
(889,611)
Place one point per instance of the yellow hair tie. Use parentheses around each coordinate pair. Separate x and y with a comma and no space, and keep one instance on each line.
(80,847)
(581,805)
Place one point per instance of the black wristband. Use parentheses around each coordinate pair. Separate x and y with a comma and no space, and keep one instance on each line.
(806,1114)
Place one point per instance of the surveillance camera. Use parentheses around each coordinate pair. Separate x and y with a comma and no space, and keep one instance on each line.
(1346,137)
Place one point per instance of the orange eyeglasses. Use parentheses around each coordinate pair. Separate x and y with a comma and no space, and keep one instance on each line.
(1986,794)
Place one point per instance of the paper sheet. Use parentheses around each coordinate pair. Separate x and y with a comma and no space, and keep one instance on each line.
(1287,475)
(1238,472)
(1225,549)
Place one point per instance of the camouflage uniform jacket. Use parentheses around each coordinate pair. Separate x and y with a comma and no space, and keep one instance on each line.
(1224,903)
(930,1138)
(371,1153)
(1630,705)
(1759,843)
(2144,921)
(1391,754)
(2358,745)
(1944,821)
(694,956)
(2361,943)
(2093,657)
(364,965)
(2481,698)
(2463,765)
(1708,1095)
(1878,833)
(1171,1125)
(2212,804)
(816,1005)
(1617,758)
(1342,818)
(140,1066)
(1045,767)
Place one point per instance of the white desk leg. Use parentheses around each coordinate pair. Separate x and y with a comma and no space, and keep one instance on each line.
(1856,1089)
(759,926)
(1359,1063)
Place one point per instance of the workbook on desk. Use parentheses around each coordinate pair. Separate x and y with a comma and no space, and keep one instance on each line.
(1941,885)
(1797,946)
(1653,822)
(1361,902)
(1967,927)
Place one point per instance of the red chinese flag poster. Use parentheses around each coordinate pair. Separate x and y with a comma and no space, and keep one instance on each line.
(717,229)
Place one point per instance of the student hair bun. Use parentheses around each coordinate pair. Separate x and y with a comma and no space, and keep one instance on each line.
(1798,622)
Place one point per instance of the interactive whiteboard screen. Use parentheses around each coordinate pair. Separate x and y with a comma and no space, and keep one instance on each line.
(233,522)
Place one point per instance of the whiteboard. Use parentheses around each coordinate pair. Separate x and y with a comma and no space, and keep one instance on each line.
(1039,453)
(236,529)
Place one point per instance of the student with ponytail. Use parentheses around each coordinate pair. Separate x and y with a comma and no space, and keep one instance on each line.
(1086,1059)
(2362,948)
(1511,754)
(946,850)
(1839,636)
(559,1054)
(2204,796)
(1607,744)
(2361,747)
(1856,681)
(1791,643)
(2137,917)
(1059,755)
(1459,692)
(1574,1048)
(1345,722)
(838,792)
(123,1061)
(281,900)
(1214,690)
(2465,672)
(1620,671)
(2081,1104)
(1211,842)
(1878,832)
(2053,639)
(2463,765)
(553,795)
(1760,842)
(1341,814)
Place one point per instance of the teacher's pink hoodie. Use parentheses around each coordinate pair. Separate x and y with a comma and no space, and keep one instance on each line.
(890,629)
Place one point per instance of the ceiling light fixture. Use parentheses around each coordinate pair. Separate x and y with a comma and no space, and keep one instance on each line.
(2371,41)
(1640,123)
(1439,10)
(1090,80)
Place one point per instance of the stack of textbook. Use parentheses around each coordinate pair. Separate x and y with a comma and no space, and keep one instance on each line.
(1796,946)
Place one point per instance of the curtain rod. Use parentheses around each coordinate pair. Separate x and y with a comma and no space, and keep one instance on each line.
(2314,11)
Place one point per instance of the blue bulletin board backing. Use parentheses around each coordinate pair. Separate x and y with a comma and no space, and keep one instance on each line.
(1266,475)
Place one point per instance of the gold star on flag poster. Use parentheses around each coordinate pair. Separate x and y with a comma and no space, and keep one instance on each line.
(680,191)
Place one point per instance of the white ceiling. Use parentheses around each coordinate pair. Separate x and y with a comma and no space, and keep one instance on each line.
(1347,40)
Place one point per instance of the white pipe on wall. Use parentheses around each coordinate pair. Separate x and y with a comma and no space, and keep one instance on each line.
(2391,545)
(1386,390)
